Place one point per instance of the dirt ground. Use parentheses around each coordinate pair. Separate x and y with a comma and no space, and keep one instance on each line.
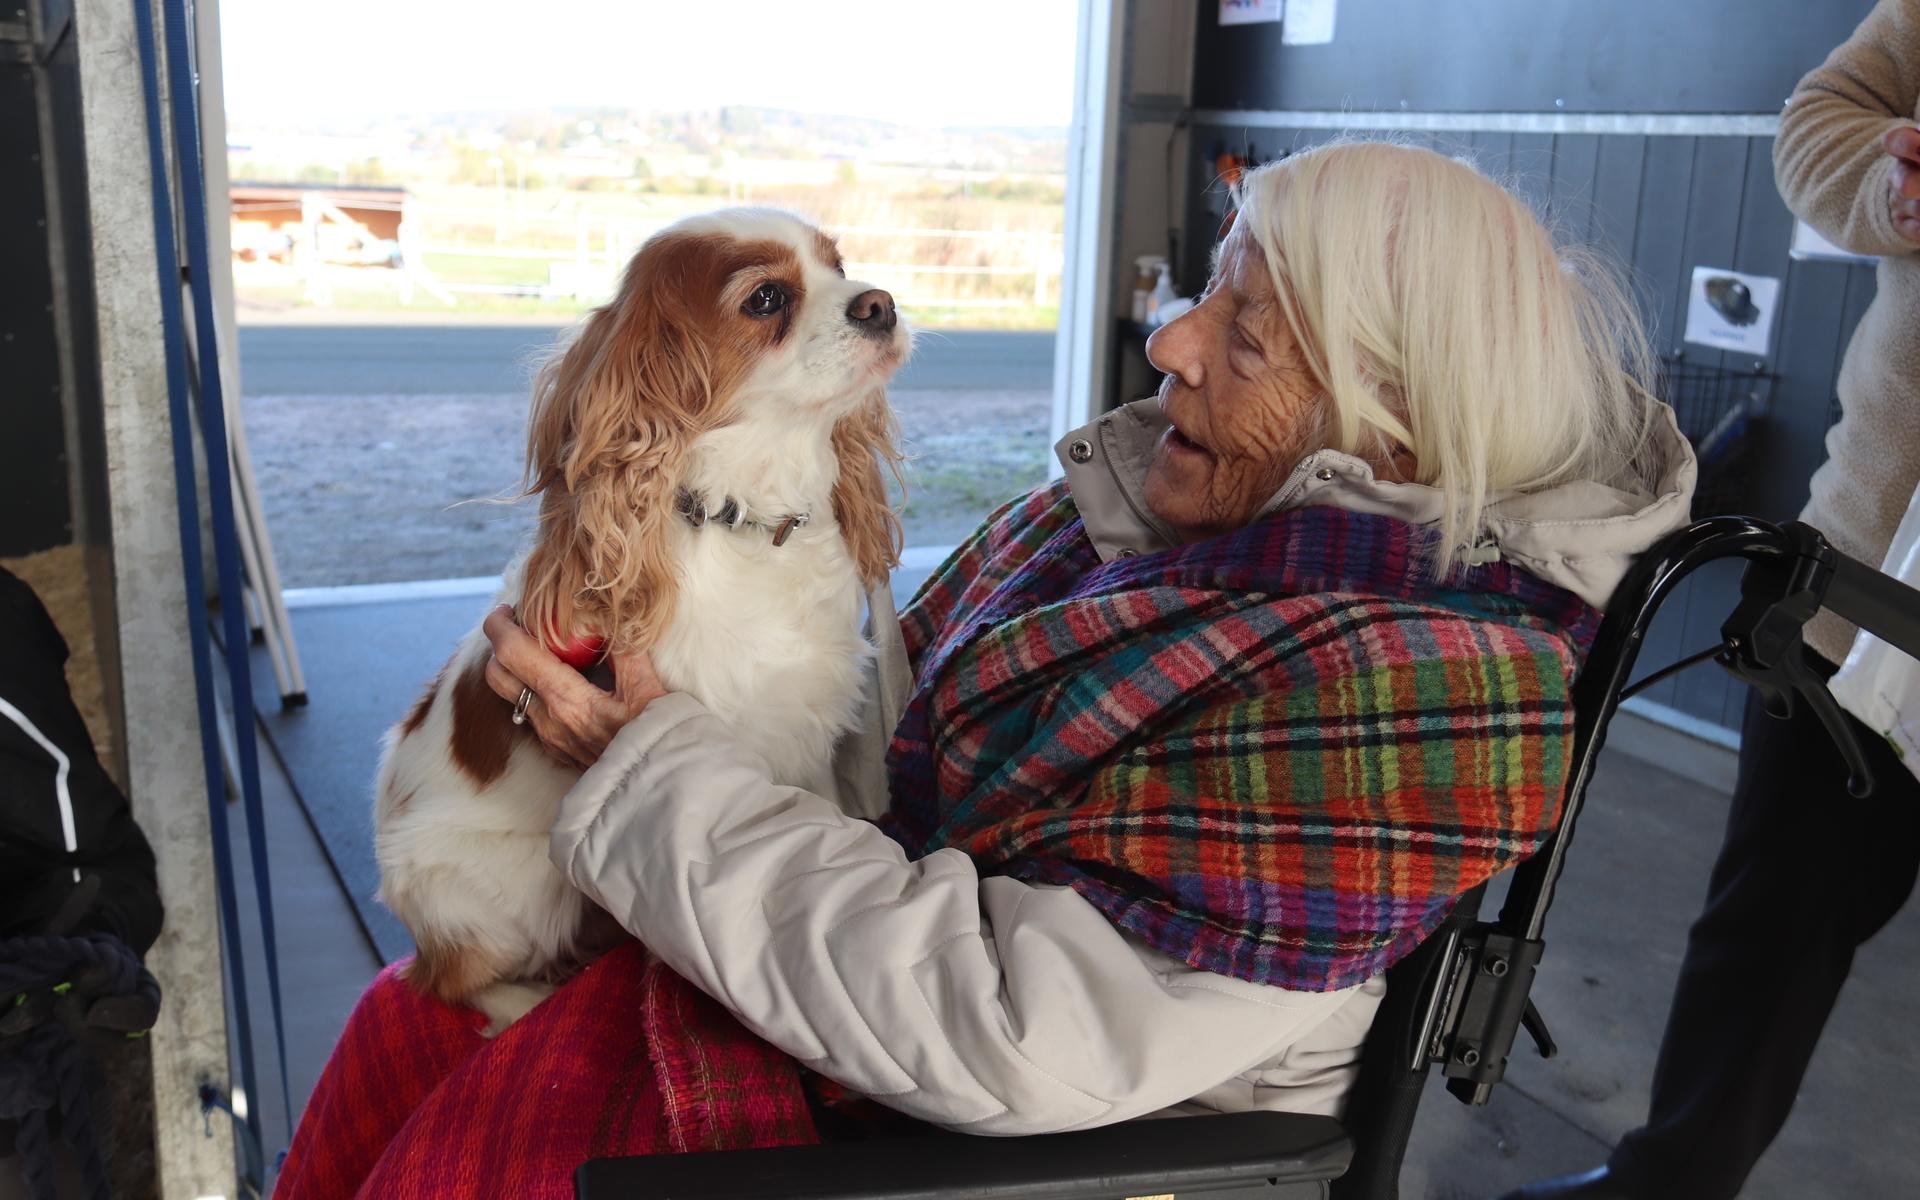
(377,488)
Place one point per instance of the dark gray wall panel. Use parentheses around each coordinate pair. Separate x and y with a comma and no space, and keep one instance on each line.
(35,509)
(1698,56)
(74,258)
(1529,168)
(1616,195)
(1574,159)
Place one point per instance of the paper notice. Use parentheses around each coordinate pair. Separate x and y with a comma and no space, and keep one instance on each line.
(1249,12)
(1808,244)
(1729,310)
(1309,22)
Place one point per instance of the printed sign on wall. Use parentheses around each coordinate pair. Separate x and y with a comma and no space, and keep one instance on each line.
(1728,310)
(1249,12)
(1309,22)
(1808,244)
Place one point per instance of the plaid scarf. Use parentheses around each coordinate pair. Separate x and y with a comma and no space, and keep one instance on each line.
(1278,755)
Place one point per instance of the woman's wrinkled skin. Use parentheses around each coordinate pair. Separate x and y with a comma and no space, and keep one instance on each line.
(1245,406)
(573,717)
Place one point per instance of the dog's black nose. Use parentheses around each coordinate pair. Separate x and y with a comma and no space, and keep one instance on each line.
(873,311)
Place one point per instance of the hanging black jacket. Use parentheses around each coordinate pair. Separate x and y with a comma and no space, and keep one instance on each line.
(52,821)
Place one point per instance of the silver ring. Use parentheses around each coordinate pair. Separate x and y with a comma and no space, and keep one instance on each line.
(520,707)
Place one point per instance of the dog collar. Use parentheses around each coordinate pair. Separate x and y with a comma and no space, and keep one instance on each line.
(736,516)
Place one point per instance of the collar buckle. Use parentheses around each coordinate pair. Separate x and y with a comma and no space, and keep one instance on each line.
(732,514)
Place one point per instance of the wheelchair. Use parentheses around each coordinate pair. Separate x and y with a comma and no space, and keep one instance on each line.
(1457,1002)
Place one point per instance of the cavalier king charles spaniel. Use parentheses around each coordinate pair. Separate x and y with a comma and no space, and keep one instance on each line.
(709,453)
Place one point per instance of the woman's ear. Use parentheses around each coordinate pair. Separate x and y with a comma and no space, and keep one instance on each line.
(613,415)
(864,440)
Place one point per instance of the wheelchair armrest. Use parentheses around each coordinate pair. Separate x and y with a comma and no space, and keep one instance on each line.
(1135,1158)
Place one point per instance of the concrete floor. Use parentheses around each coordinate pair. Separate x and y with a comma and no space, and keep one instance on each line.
(326,958)
(1636,877)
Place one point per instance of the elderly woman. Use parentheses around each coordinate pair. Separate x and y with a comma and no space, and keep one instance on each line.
(1182,752)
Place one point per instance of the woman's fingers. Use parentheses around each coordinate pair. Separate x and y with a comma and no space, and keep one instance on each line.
(533,664)
(505,683)
(555,738)
(573,718)
(635,683)
(1906,180)
(1903,141)
(1906,208)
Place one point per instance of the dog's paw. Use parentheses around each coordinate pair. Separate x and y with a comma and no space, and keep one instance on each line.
(505,1003)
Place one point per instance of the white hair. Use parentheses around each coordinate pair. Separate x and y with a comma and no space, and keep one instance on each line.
(1437,314)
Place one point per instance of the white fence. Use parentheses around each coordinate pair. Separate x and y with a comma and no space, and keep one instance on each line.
(602,245)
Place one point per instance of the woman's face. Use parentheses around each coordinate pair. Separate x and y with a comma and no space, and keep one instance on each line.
(1245,408)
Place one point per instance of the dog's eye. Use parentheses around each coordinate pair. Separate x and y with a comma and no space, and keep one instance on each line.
(767,299)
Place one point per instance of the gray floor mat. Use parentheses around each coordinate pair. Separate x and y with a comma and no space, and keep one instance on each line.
(364,665)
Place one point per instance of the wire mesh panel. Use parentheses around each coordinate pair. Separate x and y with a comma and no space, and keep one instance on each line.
(1719,410)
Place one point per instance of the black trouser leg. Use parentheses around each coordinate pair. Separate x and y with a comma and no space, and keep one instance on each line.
(1806,874)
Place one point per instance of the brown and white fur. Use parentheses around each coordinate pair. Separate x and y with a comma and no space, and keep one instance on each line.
(681,383)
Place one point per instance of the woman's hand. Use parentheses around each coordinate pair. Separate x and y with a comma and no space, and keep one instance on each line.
(573,718)
(1903,192)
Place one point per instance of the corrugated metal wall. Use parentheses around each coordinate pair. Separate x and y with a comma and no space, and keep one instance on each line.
(1574,56)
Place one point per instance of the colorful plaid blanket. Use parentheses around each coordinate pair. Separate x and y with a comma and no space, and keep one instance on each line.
(626,1058)
(1278,755)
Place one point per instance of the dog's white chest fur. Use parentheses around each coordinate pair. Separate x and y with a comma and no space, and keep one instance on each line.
(767,638)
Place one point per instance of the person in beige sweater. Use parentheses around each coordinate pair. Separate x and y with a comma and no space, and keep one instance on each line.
(1796,889)
(1847,162)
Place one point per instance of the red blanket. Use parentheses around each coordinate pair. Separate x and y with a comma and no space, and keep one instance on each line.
(626,1058)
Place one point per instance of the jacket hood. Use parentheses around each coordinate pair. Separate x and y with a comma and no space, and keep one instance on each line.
(1581,536)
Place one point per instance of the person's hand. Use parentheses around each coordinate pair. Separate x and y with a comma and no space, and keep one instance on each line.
(573,718)
(1903,192)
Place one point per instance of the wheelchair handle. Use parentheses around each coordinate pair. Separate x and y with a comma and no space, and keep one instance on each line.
(1596,693)
(1876,602)
(1481,1000)
(1762,639)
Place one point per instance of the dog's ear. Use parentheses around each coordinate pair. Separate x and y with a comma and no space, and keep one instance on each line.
(613,415)
(866,442)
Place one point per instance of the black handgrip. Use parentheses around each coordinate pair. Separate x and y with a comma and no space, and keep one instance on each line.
(1876,602)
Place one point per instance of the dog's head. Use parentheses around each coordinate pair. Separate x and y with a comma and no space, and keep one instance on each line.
(741,320)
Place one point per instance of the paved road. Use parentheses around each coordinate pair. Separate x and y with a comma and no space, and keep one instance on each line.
(415,360)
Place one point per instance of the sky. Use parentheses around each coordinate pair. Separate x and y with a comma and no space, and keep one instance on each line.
(918,62)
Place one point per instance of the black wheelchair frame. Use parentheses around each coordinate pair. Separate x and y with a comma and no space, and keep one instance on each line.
(1458,1001)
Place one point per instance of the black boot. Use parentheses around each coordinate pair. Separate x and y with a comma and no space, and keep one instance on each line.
(1597,1184)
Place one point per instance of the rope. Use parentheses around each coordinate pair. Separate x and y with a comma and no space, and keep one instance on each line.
(27,963)
(49,987)
(24,1100)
